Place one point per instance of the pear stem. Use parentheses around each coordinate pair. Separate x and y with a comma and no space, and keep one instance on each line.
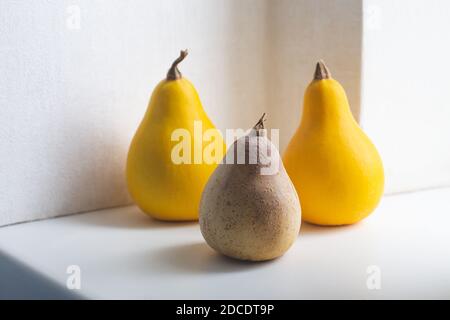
(322,71)
(260,124)
(174,73)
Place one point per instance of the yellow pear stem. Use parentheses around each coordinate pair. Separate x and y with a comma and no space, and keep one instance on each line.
(322,71)
(174,73)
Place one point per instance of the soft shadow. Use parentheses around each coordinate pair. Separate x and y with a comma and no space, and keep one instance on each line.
(20,282)
(199,258)
(307,229)
(130,217)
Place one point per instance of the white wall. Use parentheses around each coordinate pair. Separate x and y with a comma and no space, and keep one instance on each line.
(406,90)
(301,33)
(71,99)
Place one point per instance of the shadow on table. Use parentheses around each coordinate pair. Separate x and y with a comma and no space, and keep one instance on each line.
(17,281)
(130,217)
(308,229)
(199,258)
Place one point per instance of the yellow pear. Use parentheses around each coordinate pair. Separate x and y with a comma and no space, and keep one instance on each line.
(174,151)
(336,170)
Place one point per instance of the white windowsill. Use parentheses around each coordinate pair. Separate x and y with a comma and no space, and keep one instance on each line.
(124,254)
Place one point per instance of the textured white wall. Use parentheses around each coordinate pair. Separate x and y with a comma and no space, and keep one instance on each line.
(71,99)
(406,90)
(301,33)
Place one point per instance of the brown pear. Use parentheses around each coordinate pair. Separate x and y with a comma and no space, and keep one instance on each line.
(249,209)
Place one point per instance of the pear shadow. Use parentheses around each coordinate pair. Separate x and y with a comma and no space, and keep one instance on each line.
(308,229)
(129,217)
(198,258)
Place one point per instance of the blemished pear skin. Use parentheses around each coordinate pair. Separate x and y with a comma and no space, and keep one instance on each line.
(161,188)
(335,168)
(245,214)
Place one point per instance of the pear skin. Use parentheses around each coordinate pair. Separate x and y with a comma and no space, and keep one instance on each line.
(162,188)
(246,212)
(334,166)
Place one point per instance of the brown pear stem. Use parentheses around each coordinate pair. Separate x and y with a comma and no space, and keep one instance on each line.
(174,73)
(260,124)
(322,71)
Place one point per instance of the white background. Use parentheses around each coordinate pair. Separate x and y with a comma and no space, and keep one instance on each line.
(71,98)
(406,90)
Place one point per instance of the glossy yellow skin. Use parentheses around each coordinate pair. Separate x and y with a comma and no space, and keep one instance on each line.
(161,188)
(335,168)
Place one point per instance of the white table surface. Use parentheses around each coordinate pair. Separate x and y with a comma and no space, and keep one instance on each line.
(124,254)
